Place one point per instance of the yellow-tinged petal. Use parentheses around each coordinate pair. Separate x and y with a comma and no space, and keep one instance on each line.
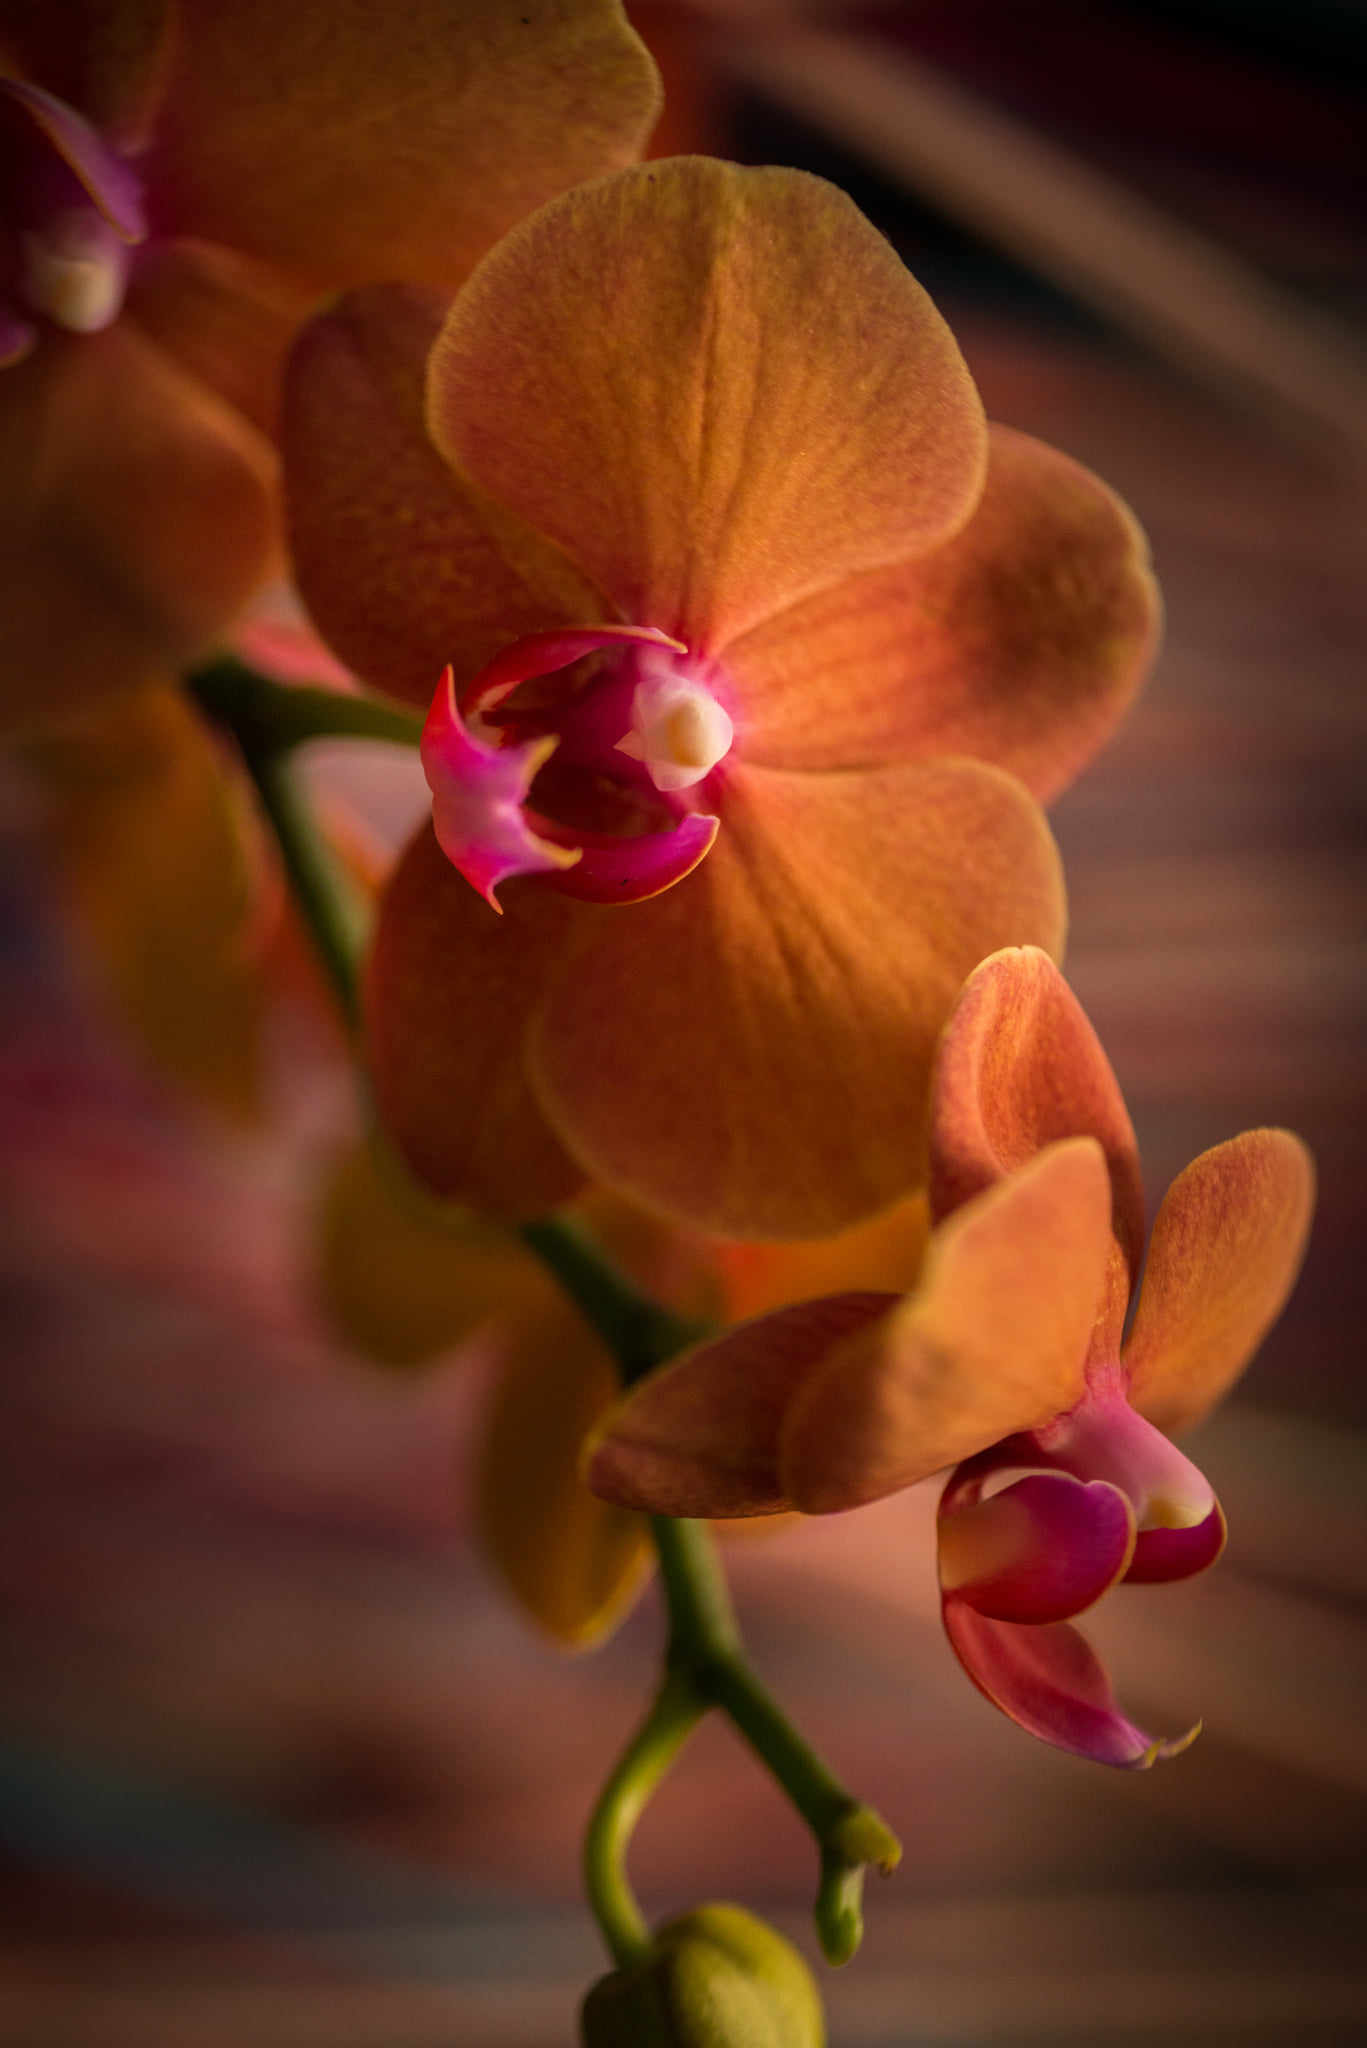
(883,1255)
(449,991)
(348,140)
(773,403)
(225,317)
(106,58)
(138,516)
(1020,1066)
(1226,1249)
(159,861)
(402,1277)
(749,1053)
(1021,641)
(993,1340)
(573,1561)
(403,566)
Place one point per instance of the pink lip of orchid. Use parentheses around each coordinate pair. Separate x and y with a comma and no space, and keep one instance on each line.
(651,726)
(836,614)
(1006,1362)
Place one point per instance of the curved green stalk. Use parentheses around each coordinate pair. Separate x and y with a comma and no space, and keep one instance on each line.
(649,1754)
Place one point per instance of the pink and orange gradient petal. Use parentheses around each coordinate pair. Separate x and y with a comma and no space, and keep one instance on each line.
(1040,1551)
(1051,1682)
(1022,641)
(331,133)
(1227,1246)
(138,514)
(449,993)
(672,1055)
(1021,1066)
(403,567)
(992,1341)
(697,456)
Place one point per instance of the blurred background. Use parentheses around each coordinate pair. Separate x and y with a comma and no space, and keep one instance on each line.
(277,1763)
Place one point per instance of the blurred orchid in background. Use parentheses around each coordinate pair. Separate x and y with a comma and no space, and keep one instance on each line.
(761,647)
(179,181)
(1006,1362)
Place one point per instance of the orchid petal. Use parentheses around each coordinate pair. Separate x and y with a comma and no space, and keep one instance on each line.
(1162,1555)
(632,870)
(108,179)
(673,1055)
(402,1278)
(884,1255)
(344,144)
(402,566)
(228,319)
(1051,1683)
(540,654)
(992,1341)
(106,61)
(700,1436)
(696,455)
(1226,1249)
(1039,1551)
(1021,641)
(478,793)
(574,1562)
(1019,1067)
(448,995)
(137,518)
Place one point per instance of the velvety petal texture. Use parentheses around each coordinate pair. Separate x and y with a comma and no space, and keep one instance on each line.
(1021,1066)
(1227,1246)
(808,961)
(696,455)
(1021,641)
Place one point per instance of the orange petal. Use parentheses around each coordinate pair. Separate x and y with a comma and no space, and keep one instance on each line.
(1020,1066)
(701,1435)
(403,1278)
(138,516)
(449,988)
(993,1341)
(158,861)
(228,319)
(349,141)
(106,58)
(1021,641)
(1226,1249)
(749,1053)
(573,1561)
(884,1255)
(403,567)
(774,402)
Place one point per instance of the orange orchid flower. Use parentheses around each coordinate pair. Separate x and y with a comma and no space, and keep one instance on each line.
(756,647)
(1007,1361)
(179,181)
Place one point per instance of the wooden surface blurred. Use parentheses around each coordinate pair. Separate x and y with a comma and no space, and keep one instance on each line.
(278,1766)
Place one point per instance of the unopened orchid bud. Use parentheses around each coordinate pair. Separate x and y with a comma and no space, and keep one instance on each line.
(719,1978)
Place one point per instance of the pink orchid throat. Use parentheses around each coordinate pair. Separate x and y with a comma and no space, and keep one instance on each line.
(584,757)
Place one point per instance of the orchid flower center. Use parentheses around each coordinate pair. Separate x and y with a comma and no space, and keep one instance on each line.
(70,211)
(580,756)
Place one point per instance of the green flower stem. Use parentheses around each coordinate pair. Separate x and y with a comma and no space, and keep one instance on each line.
(272,718)
(649,1754)
(332,907)
(639,1333)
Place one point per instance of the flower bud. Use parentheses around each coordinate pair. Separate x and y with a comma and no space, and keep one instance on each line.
(719,1978)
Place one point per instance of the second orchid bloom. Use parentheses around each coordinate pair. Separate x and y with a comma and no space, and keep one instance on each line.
(762,648)
(1006,1362)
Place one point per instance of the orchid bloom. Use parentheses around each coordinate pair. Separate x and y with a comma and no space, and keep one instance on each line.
(752,648)
(1006,1362)
(179,181)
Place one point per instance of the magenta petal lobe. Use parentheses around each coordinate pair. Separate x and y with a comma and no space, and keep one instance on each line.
(1039,1551)
(613,870)
(1164,1554)
(1052,1683)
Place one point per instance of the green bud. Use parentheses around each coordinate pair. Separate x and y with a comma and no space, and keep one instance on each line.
(719,1978)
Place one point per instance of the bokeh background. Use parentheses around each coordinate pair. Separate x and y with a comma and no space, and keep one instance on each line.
(278,1766)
